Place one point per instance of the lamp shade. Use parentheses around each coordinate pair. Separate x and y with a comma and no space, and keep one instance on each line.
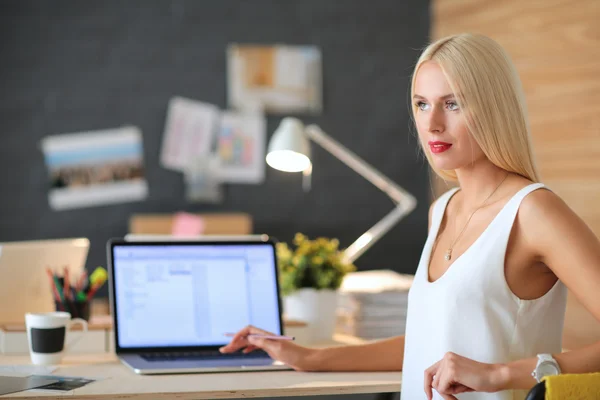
(289,149)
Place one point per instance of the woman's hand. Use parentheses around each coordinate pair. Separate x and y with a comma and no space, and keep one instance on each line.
(289,353)
(455,374)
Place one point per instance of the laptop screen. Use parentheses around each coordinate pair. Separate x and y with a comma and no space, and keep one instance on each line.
(174,294)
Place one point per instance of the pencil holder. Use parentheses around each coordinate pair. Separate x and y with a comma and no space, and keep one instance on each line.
(77,309)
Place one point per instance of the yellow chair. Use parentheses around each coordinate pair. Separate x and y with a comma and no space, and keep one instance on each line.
(567,386)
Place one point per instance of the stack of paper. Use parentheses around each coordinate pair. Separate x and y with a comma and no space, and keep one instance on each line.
(372,304)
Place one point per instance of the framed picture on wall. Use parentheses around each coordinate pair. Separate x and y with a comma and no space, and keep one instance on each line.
(276,79)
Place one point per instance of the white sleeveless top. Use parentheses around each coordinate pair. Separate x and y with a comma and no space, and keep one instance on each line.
(471,311)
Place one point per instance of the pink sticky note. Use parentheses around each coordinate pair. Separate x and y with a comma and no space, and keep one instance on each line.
(186,224)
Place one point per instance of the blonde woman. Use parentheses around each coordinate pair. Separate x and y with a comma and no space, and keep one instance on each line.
(486,308)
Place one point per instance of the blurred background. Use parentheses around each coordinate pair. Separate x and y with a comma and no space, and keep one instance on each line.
(71,66)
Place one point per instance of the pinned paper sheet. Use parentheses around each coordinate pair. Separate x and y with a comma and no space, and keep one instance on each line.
(189,132)
(281,79)
(202,182)
(241,147)
(186,224)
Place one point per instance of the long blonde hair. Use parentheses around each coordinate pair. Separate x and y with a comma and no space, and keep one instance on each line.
(488,90)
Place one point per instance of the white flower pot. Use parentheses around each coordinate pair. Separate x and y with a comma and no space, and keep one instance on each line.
(315,307)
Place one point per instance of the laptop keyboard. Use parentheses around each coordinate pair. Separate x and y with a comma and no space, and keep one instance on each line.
(200,355)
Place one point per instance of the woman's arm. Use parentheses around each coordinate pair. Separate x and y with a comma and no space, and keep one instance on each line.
(517,374)
(382,355)
(572,251)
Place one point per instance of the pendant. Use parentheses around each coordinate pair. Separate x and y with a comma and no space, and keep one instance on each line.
(448,255)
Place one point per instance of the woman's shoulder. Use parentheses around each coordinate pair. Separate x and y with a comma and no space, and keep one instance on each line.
(543,202)
(520,185)
(543,213)
(537,194)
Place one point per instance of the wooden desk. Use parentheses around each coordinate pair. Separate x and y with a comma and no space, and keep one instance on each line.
(118,381)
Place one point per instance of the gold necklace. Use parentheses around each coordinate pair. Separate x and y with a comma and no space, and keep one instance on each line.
(448,255)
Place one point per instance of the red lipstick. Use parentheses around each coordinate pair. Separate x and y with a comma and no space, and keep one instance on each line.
(438,147)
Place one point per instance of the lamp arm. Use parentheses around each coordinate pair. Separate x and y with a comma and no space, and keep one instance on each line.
(383,183)
(405,202)
(367,239)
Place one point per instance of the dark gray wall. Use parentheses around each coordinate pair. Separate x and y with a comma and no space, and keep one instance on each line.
(77,65)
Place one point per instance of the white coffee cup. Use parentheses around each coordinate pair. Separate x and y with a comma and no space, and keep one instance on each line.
(46,335)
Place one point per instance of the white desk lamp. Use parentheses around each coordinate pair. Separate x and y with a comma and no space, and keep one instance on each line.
(289,151)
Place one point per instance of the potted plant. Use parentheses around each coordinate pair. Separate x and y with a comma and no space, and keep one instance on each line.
(309,277)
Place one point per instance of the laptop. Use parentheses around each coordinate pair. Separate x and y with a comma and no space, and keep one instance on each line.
(24,283)
(172,303)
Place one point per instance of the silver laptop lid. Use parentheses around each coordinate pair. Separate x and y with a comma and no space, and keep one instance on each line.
(185,296)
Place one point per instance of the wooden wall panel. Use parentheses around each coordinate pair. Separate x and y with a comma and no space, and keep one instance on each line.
(556,48)
(555,45)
